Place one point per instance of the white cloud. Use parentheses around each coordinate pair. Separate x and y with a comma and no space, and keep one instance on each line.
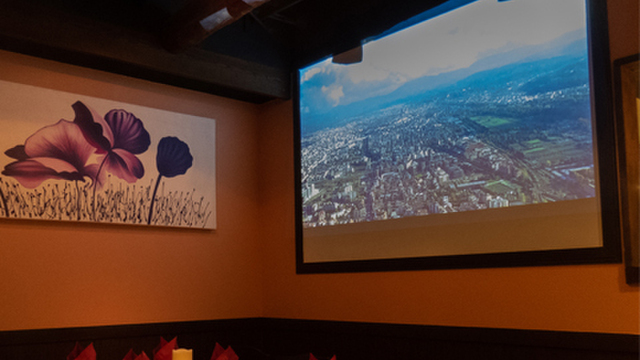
(333,92)
(311,73)
(366,72)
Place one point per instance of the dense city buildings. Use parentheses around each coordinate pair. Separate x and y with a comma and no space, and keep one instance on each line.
(469,146)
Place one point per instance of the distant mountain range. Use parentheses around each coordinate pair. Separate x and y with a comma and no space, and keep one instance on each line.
(559,64)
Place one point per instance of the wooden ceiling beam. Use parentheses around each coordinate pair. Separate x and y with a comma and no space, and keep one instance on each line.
(198,19)
(64,37)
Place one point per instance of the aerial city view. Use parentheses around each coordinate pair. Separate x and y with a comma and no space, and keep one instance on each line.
(486,122)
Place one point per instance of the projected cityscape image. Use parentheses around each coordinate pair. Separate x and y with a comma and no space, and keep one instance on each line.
(451,114)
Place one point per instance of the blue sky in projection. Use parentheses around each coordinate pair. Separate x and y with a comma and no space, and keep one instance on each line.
(482,30)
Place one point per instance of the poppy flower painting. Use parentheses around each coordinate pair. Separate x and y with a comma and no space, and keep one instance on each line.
(78,158)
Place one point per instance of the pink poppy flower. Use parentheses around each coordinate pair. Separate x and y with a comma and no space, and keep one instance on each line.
(119,135)
(58,151)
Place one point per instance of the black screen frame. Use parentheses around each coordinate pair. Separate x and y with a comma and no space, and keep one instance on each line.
(609,252)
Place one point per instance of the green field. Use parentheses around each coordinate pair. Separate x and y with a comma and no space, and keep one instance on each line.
(492,121)
(501,186)
(528,152)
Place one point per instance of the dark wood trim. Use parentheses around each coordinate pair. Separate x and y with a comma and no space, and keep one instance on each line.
(514,337)
(275,338)
(92,333)
(113,342)
(56,35)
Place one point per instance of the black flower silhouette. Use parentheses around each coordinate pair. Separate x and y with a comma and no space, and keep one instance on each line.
(173,159)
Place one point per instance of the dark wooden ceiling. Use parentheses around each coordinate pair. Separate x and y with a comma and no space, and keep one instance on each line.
(251,59)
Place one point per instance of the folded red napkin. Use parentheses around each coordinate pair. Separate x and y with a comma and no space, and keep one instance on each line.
(311,357)
(219,353)
(88,353)
(132,356)
(164,351)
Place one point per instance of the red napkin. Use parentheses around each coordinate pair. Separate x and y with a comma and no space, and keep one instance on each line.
(132,356)
(219,353)
(311,357)
(89,353)
(164,351)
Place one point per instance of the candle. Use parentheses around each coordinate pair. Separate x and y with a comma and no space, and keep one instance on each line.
(182,354)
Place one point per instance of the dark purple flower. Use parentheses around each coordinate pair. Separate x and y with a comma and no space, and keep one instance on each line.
(119,135)
(173,157)
(57,151)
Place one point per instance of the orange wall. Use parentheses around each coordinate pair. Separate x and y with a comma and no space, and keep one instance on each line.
(572,298)
(55,274)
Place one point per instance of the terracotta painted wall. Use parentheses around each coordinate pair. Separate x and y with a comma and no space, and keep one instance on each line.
(55,274)
(572,298)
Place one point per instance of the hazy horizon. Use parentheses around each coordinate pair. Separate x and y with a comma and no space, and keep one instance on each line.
(397,59)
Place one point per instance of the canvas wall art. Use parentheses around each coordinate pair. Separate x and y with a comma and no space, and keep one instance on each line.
(71,157)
